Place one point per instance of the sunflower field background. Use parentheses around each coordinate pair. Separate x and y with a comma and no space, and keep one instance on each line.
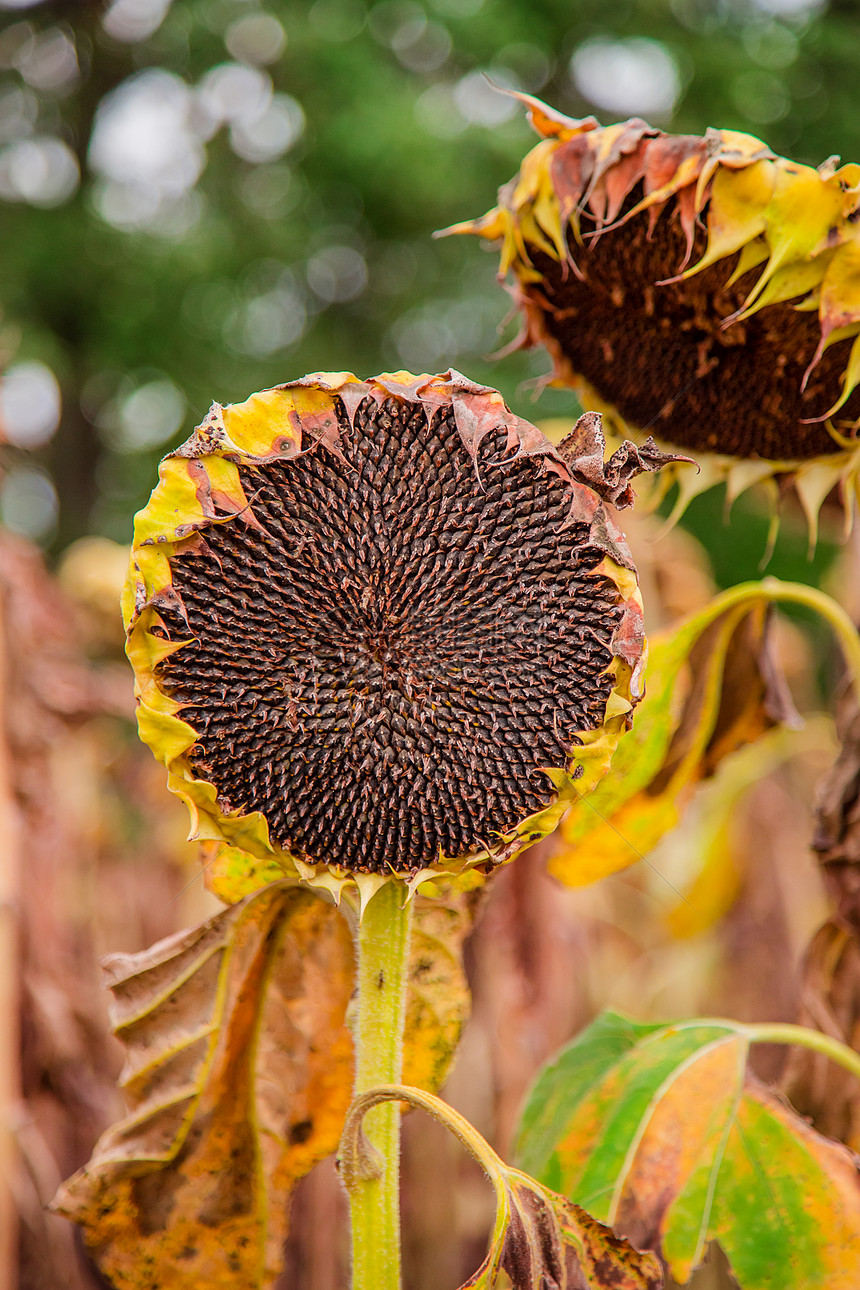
(208,197)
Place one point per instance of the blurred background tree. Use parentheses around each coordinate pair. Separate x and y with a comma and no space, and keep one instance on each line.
(205,197)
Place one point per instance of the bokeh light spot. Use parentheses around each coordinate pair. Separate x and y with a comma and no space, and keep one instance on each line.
(30,404)
(132,20)
(49,61)
(480,103)
(635,77)
(28,503)
(337,273)
(269,135)
(42,171)
(149,416)
(148,153)
(761,96)
(258,38)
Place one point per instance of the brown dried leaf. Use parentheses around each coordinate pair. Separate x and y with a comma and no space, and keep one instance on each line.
(542,1240)
(830,992)
(837,834)
(583,452)
(238,1072)
(829,1002)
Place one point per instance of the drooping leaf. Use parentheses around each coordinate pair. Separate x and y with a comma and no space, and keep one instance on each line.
(438,999)
(660,1131)
(540,1241)
(712,687)
(238,1073)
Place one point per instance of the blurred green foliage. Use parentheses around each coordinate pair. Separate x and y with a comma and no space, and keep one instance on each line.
(258,185)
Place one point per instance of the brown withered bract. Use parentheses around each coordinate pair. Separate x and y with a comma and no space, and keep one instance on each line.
(393,622)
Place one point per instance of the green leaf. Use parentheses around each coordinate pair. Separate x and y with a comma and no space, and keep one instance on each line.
(659,1131)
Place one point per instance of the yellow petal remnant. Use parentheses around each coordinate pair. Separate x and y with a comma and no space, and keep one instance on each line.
(701,286)
(340,602)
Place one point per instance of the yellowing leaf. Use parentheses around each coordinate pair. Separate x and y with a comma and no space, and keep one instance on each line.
(238,1073)
(804,208)
(711,689)
(659,1131)
(231,874)
(739,201)
(708,832)
(438,999)
(840,289)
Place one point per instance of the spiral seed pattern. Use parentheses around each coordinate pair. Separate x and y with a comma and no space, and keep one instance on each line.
(386,656)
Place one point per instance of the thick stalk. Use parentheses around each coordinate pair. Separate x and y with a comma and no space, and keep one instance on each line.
(374,1194)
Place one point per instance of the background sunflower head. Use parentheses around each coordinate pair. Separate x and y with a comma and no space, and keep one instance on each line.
(383,626)
(699,286)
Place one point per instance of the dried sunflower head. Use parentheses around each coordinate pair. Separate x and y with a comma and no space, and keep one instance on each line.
(383,627)
(700,286)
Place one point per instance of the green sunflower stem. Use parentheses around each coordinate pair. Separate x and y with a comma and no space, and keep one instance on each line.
(786,1033)
(799,593)
(846,631)
(373,1179)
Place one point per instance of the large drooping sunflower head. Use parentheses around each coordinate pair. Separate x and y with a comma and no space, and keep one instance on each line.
(699,286)
(383,627)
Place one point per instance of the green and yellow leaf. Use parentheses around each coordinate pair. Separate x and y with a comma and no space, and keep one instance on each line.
(660,1131)
(711,690)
